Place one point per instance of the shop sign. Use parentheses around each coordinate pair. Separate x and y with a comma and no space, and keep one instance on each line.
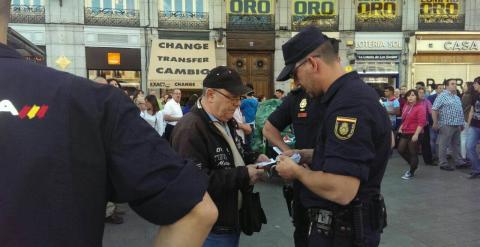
(113,58)
(373,15)
(251,7)
(378,42)
(377,57)
(448,46)
(180,63)
(321,13)
(441,13)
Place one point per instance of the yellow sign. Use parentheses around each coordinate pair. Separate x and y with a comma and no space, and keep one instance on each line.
(63,62)
(440,8)
(251,7)
(378,8)
(180,64)
(314,7)
(113,58)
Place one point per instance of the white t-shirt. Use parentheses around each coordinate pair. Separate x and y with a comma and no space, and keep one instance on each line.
(238,116)
(156,121)
(173,109)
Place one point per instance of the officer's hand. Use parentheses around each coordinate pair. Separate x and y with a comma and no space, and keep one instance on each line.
(255,174)
(262,158)
(287,168)
(306,154)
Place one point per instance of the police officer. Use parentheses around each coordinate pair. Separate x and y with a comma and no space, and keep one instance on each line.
(69,145)
(341,185)
(304,114)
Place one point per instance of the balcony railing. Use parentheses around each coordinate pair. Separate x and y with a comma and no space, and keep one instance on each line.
(387,23)
(326,23)
(251,22)
(33,14)
(182,20)
(112,17)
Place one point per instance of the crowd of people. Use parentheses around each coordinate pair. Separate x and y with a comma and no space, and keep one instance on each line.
(438,124)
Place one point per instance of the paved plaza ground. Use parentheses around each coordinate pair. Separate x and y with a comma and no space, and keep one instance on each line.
(436,208)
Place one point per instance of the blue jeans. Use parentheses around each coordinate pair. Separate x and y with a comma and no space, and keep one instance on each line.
(472,140)
(222,240)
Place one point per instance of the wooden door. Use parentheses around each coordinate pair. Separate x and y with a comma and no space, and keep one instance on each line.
(255,68)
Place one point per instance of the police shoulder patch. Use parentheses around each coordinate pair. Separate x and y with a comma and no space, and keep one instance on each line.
(344,127)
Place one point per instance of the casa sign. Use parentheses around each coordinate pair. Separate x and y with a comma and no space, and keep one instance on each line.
(448,46)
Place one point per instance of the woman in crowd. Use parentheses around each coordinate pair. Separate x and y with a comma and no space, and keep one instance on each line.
(473,136)
(114,82)
(153,115)
(191,102)
(414,119)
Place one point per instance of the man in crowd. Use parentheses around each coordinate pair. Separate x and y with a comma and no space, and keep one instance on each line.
(448,120)
(473,136)
(69,145)
(172,112)
(207,135)
(392,105)
(249,107)
(342,183)
(279,93)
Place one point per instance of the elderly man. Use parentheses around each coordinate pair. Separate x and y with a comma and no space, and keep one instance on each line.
(172,112)
(69,145)
(207,135)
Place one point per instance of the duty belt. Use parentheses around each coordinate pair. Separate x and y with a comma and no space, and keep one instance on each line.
(322,219)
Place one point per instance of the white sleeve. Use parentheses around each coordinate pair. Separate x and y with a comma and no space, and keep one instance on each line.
(160,127)
(168,109)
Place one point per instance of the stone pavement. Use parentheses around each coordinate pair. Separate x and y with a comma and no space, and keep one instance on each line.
(436,208)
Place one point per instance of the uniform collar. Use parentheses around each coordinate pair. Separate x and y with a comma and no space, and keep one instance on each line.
(337,84)
(7,52)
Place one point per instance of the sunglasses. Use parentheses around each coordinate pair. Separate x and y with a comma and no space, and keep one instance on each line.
(293,75)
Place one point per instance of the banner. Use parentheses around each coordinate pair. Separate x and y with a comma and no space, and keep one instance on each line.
(441,14)
(374,15)
(321,13)
(251,7)
(180,63)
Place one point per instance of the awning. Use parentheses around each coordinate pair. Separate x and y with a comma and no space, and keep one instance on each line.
(180,64)
(23,45)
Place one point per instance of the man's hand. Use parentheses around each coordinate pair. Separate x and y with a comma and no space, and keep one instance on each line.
(435,126)
(255,173)
(306,155)
(287,168)
(262,158)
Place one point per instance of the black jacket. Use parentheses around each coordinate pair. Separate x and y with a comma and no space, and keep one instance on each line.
(196,137)
(67,145)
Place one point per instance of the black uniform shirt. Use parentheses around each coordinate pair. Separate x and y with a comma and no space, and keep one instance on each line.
(354,139)
(67,145)
(303,113)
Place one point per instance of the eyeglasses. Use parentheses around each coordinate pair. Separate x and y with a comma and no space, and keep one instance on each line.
(232,99)
(293,75)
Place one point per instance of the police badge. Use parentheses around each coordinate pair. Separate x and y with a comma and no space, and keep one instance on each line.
(344,127)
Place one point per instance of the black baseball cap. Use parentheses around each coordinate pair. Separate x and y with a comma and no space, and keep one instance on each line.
(298,47)
(222,77)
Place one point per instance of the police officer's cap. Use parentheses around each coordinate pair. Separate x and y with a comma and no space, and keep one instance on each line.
(222,77)
(298,47)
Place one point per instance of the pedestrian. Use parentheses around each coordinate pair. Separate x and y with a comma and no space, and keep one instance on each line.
(467,97)
(448,120)
(114,82)
(69,145)
(414,119)
(249,108)
(172,112)
(473,136)
(279,94)
(207,135)
(425,140)
(392,105)
(344,174)
(192,100)
(153,115)
(304,114)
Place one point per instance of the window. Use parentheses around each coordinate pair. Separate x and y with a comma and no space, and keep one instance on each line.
(108,4)
(27,2)
(183,5)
